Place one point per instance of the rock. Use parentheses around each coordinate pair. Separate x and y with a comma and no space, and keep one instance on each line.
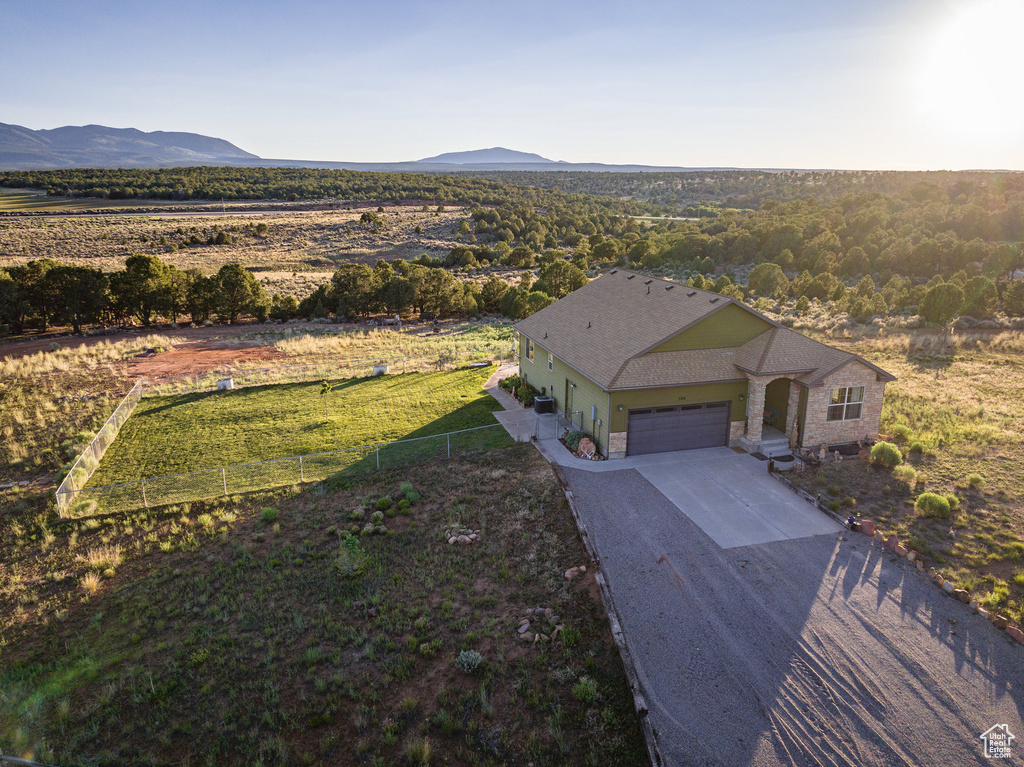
(526,637)
(939,580)
(901,550)
(879,537)
(1000,621)
(867,527)
(452,540)
(863,453)
(474,537)
(974,605)
(571,573)
(947,586)
(911,555)
(524,627)
(524,621)
(463,539)
(920,565)
(545,637)
(583,568)
(892,542)
(553,619)
(548,612)
(983,612)
(963,595)
(1016,633)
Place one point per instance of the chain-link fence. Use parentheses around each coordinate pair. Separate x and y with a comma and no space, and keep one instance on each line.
(89,460)
(281,472)
(330,370)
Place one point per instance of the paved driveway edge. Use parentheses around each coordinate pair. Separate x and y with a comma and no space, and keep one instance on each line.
(632,678)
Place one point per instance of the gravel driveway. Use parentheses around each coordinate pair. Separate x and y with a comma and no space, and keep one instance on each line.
(816,651)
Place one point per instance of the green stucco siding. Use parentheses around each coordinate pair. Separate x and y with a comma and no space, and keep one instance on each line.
(586,395)
(677,395)
(729,327)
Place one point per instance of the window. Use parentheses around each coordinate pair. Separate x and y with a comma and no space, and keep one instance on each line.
(845,404)
(529,350)
(551,361)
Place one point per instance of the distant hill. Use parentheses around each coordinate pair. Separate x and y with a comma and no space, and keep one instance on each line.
(97,146)
(494,156)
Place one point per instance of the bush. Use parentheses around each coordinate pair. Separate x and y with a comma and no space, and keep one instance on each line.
(585,690)
(406,488)
(916,448)
(886,454)
(268,515)
(900,434)
(932,505)
(526,394)
(975,481)
(468,661)
(412,497)
(511,383)
(572,439)
(905,473)
(954,502)
(383,504)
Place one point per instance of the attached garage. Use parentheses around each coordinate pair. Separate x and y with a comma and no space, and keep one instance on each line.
(679,427)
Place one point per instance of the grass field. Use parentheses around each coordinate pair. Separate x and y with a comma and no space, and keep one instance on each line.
(177,434)
(955,413)
(247,633)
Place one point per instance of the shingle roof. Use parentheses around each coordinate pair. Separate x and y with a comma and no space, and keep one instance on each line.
(604,329)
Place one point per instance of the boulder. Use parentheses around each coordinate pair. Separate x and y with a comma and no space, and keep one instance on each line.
(901,550)
(947,586)
(1000,621)
(892,542)
(983,612)
(974,605)
(963,595)
(1016,633)
(920,565)
(911,555)
(879,537)
(583,568)
(867,527)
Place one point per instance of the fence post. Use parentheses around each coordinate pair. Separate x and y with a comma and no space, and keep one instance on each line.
(302,476)
(224,479)
(449,436)
(144,501)
(378,456)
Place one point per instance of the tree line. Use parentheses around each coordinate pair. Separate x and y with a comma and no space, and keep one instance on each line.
(44,293)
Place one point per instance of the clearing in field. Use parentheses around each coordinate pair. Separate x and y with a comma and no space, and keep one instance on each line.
(206,430)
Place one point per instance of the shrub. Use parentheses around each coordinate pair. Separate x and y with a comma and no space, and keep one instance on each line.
(975,481)
(429,649)
(377,517)
(849,501)
(900,434)
(383,504)
(412,497)
(954,502)
(526,394)
(352,559)
(268,515)
(932,505)
(570,637)
(886,454)
(585,690)
(406,487)
(833,505)
(404,504)
(916,447)
(90,582)
(357,515)
(905,473)
(833,490)
(573,438)
(468,661)
(510,384)
(417,753)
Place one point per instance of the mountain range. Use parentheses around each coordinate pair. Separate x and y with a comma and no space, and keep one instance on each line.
(97,146)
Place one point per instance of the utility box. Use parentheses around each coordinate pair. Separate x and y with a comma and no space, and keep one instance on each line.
(224,384)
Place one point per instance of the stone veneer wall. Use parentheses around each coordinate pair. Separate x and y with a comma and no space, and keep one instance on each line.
(736,429)
(617,444)
(819,431)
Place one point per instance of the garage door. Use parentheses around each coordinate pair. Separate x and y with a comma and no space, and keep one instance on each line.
(683,427)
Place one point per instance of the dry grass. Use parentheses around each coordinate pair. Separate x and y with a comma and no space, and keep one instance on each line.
(90,582)
(102,558)
(296,243)
(955,411)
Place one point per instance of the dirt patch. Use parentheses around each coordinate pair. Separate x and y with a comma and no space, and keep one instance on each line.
(193,357)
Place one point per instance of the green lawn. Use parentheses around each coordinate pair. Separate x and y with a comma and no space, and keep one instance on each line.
(185,433)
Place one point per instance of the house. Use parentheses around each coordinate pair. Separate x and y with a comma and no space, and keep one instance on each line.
(648,366)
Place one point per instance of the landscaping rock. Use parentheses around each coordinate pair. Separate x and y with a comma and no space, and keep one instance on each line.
(548,612)
(920,565)
(892,542)
(867,527)
(947,586)
(983,612)
(974,605)
(963,595)
(1000,621)
(553,619)
(524,627)
(583,568)
(526,637)
(1016,633)
(879,537)
(911,555)
(901,550)
(452,540)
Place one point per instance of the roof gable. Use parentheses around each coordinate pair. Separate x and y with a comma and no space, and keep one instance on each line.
(730,326)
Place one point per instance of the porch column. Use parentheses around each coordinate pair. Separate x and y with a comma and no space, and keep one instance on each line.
(755,409)
(792,412)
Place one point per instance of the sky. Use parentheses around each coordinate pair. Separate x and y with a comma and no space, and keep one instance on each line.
(858,84)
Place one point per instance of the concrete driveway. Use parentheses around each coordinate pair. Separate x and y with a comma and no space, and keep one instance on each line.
(819,650)
(731,497)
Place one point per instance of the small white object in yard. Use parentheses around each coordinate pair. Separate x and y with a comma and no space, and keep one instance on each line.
(822,453)
(224,384)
